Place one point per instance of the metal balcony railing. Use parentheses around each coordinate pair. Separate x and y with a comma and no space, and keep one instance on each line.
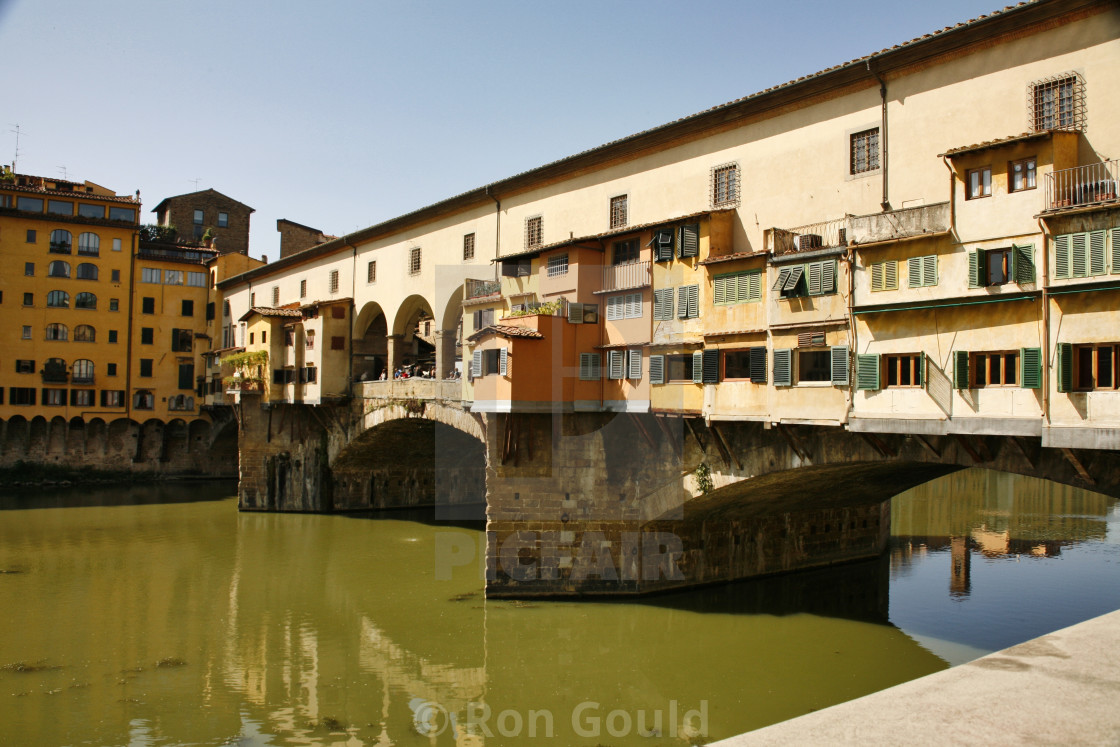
(808,237)
(626,276)
(480,288)
(1082,185)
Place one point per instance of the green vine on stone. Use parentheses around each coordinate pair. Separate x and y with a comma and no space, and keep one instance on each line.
(704,478)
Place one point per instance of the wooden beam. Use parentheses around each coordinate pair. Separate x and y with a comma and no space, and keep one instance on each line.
(314,413)
(879,445)
(268,432)
(1077,465)
(724,449)
(692,430)
(927,445)
(1018,443)
(788,435)
(637,421)
(963,441)
(673,439)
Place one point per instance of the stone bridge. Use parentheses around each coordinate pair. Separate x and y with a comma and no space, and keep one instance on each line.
(613,503)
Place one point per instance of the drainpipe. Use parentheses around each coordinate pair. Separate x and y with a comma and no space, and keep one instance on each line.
(952,197)
(353,320)
(886,205)
(1045,323)
(128,345)
(497,231)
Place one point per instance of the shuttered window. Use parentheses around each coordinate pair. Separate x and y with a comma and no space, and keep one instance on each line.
(590,367)
(884,276)
(783,367)
(839,365)
(634,365)
(738,287)
(1078,255)
(662,244)
(960,369)
(663,304)
(690,240)
(1024,263)
(822,277)
(710,365)
(628,306)
(476,364)
(1030,368)
(867,372)
(614,364)
(657,369)
(922,271)
(688,301)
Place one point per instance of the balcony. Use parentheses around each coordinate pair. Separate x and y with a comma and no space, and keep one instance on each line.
(626,276)
(481,288)
(899,225)
(170,254)
(807,237)
(1082,185)
(60,247)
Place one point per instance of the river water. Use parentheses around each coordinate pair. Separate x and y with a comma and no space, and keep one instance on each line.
(162,616)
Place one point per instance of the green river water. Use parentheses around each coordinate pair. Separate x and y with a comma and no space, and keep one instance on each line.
(160,615)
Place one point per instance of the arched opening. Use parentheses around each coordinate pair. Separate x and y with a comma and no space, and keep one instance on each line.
(371,343)
(16,433)
(96,437)
(449,339)
(413,347)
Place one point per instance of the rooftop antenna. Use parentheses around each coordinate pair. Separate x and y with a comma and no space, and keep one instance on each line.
(16,156)
(195,181)
(65,175)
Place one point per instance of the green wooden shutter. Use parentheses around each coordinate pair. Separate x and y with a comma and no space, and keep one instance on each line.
(1065,367)
(815,278)
(693,301)
(682,302)
(758,365)
(503,361)
(1062,247)
(1024,263)
(867,371)
(698,367)
(1096,252)
(975,268)
(929,269)
(1080,254)
(635,365)
(614,364)
(754,286)
(828,276)
(840,364)
(1030,368)
(783,367)
(783,276)
(711,366)
(719,290)
(657,369)
(690,240)
(890,275)
(960,369)
(877,276)
(663,242)
(920,371)
(1115,244)
(913,272)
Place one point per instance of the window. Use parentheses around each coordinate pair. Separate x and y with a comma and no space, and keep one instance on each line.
(289,338)
(20,395)
(89,244)
(884,275)
(86,210)
(557,265)
(737,287)
(187,308)
(371,271)
(625,252)
(223,220)
(146,367)
(517,268)
(31,236)
(116,245)
(275,295)
(414,261)
(483,318)
(590,367)
(583,313)
(979,183)
(29,269)
(29,204)
(1078,255)
(143,399)
(309,375)
(81,397)
(87,271)
(662,243)
(1022,174)
(84,333)
(54,397)
(186,381)
(28,299)
(677,367)
(813,279)
(688,301)
(864,152)
(1088,367)
(618,211)
(198,217)
(747,364)
(922,271)
(993,369)
(725,185)
(252,300)
(60,207)
(26,334)
(814,365)
(309,339)
(58,299)
(534,232)
(82,371)
(492,361)
(627,306)
(182,340)
(663,304)
(303,289)
(902,370)
(110,369)
(1001,266)
(147,335)
(1057,103)
(60,241)
(85,301)
(333,281)
(115,276)
(172,277)
(112,398)
(468,246)
(149,275)
(58,269)
(338,342)
(25,367)
(196,279)
(56,332)
(112,335)
(828,365)
(116,213)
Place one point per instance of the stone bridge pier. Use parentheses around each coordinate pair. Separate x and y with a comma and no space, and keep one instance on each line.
(613,503)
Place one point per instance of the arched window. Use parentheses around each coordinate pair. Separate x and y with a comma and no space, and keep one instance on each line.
(59,269)
(54,370)
(58,332)
(60,241)
(85,301)
(89,243)
(143,400)
(58,299)
(82,372)
(87,271)
(84,333)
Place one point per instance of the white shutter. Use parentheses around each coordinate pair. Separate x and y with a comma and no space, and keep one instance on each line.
(476,364)
(575,313)
(657,369)
(635,365)
(682,302)
(634,306)
(614,364)
(503,361)
(614,308)
(698,367)
(693,301)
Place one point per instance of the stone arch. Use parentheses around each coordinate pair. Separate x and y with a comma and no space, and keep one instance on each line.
(175,442)
(371,342)
(76,436)
(198,436)
(121,442)
(56,440)
(449,335)
(38,437)
(17,432)
(150,447)
(97,435)
(412,342)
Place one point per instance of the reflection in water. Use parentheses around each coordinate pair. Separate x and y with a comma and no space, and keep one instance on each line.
(187,622)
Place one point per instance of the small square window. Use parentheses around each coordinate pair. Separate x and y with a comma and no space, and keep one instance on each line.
(147,305)
(198,217)
(31,236)
(303,289)
(26,332)
(864,151)
(275,295)
(1057,103)
(28,299)
(114,304)
(557,265)
(116,276)
(338,342)
(1022,175)
(534,232)
(147,335)
(29,269)
(333,284)
(111,369)
(619,211)
(146,367)
(978,183)
(188,308)
(112,335)
(223,220)
(116,245)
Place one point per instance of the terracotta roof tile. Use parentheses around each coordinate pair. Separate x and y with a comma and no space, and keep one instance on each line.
(270,311)
(1009,140)
(732,257)
(506,330)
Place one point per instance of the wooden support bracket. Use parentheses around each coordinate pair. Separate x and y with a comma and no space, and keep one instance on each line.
(879,445)
(673,439)
(1077,465)
(927,445)
(637,421)
(692,430)
(793,444)
(963,441)
(724,449)
(268,431)
(1018,443)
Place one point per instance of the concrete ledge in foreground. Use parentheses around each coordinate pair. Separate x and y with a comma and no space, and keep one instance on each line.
(1062,688)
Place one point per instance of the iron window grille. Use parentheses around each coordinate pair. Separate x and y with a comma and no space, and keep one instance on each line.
(414,261)
(468,246)
(1057,103)
(534,232)
(725,185)
(864,153)
(619,210)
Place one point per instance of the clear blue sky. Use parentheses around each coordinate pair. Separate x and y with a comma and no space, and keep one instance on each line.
(340,115)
